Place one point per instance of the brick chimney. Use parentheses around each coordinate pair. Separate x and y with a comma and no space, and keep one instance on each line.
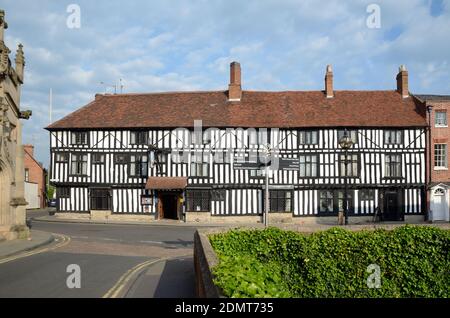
(402,81)
(329,82)
(29,149)
(234,88)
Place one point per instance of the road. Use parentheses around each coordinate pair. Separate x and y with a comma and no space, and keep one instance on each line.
(104,253)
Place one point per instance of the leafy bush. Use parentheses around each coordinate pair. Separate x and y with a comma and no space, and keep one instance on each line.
(414,262)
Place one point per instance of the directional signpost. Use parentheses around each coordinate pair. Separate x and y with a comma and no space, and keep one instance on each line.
(240,165)
(284,164)
(288,164)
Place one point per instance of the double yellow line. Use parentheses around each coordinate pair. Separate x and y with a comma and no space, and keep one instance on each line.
(63,240)
(118,289)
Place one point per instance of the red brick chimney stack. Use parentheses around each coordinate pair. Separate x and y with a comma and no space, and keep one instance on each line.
(402,81)
(329,82)
(29,149)
(234,88)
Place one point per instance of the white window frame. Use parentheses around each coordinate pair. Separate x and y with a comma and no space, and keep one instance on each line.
(445,158)
(438,124)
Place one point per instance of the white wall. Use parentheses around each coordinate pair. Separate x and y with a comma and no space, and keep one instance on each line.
(31,195)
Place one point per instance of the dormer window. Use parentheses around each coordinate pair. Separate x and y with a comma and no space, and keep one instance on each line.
(79,138)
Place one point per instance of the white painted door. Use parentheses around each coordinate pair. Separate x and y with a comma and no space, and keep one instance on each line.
(440,208)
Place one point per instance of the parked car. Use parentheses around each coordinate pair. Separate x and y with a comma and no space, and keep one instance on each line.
(52,203)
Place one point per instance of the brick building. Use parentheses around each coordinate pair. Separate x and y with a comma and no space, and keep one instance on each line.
(35,180)
(438,107)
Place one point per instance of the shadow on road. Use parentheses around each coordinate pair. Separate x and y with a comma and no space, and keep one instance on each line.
(177,279)
(179,243)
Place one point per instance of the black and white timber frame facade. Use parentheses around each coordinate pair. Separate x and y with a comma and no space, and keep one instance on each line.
(145,153)
(242,189)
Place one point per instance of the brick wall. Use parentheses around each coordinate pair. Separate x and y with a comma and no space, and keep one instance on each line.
(439,135)
(35,173)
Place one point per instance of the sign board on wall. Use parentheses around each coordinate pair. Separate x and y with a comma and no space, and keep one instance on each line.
(146,200)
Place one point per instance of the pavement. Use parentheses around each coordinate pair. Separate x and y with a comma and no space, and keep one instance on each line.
(168,278)
(307,228)
(37,239)
(165,222)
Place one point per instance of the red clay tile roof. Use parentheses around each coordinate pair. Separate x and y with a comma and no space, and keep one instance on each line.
(256,109)
(166,183)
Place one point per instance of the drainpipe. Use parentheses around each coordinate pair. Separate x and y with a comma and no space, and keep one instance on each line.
(429,165)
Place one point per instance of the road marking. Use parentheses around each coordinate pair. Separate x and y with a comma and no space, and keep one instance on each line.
(125,278)
(118,287)
(116,240)
(152,242)
(62,240)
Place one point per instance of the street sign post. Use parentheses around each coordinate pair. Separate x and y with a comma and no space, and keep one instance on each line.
(284,164)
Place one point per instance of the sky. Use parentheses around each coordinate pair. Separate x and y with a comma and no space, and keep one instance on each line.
(182,45)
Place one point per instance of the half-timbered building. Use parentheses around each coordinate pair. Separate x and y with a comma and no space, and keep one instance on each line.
(195,156)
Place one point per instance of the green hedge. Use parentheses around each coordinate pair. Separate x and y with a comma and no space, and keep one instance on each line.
(414,261)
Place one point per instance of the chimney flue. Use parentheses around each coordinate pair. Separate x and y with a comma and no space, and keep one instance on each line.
(234,88)
(329,82)
(402,81)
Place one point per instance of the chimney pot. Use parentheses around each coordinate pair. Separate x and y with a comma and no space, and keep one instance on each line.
(329,82)
(234,88)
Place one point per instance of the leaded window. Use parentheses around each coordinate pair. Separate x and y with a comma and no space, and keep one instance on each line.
(326,201)
(79,164)
(100,199)
(79,138)
(393,166)
(63,192)
(393,137)
(308,165)
(218,195)
(139,138)
(61,157)
(200,165)
(308,137)
(349,166)
(280,201)
(98,158)
(198,200)
(353,134)
(161,159)
(138,165)
(257,173)
(121,158)
(332,201)
(367,195)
